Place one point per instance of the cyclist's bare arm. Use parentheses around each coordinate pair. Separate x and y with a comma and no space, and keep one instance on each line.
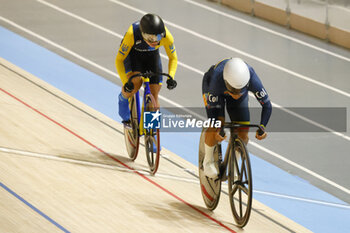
(212,135)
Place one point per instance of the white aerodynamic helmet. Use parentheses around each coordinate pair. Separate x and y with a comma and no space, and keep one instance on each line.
(236,73)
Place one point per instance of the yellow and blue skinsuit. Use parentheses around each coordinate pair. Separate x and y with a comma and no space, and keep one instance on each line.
(134,50)
(136,55)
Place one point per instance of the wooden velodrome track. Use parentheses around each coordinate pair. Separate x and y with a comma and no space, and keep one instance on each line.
(64,167)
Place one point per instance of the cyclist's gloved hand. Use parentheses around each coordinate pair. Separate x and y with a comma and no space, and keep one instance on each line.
(171,83)
(219,135)
(260,133)
(128,87)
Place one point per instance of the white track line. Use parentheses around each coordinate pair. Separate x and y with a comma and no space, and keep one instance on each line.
(268,30)
(76,55)
(309,121)
(89,62)
(314,174)
(300,76)
(163,98)
(186,66)
(158,175)
(93,164)
(108,31)
(342,206)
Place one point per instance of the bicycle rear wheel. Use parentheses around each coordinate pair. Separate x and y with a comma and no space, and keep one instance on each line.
(240,183)
(131,136)
(152,139)
(210,188)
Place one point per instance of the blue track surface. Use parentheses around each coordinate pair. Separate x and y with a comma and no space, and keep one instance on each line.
(101,95)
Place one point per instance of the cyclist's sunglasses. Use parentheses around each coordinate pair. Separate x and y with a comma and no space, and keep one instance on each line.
(152,38)
(234,90)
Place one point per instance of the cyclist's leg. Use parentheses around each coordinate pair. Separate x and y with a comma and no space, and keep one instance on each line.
(137,81)
(155,88)
(136,66)
(155,65)
(238,111)
(215,110)
(131,67)
(123,103)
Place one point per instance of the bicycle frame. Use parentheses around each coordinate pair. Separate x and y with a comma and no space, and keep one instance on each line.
(151,136)
(231,145)
(147,91)
(145,78)
(223,164)
(236,169)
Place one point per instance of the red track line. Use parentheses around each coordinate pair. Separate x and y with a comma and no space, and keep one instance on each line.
(206,193)
(132,144)
(117,160)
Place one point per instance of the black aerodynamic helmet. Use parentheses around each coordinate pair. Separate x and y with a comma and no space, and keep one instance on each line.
(152,24)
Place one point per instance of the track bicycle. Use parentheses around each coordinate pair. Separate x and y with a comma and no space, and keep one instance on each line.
(236,169)
(133,133)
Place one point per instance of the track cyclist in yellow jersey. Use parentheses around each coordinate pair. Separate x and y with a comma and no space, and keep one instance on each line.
(139,52)
(227,84)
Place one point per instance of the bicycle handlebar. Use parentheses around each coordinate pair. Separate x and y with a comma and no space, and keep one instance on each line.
(148,75)
(235,125)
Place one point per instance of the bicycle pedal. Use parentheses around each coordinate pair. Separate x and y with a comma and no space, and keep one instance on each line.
(224,177)
(127,124)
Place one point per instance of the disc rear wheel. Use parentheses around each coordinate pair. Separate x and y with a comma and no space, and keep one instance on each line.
(131,135)
(210,188)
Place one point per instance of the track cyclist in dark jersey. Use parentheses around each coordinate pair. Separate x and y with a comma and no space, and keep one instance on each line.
(227,84)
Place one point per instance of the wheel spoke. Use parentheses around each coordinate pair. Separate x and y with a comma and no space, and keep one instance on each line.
(240,202)
(150,143)
(234,189)
(245,179)
(237,167)
(153,139)
(244,189)
(243,171)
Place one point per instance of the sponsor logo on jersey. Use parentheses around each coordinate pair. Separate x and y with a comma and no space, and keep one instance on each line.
(138,42)
(261,94)
(213,98)
(145,50)
(125,47)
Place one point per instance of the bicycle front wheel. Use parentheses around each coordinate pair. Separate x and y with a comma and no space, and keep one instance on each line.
(152,139)
(131,136)
(240,183)
(210,188)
